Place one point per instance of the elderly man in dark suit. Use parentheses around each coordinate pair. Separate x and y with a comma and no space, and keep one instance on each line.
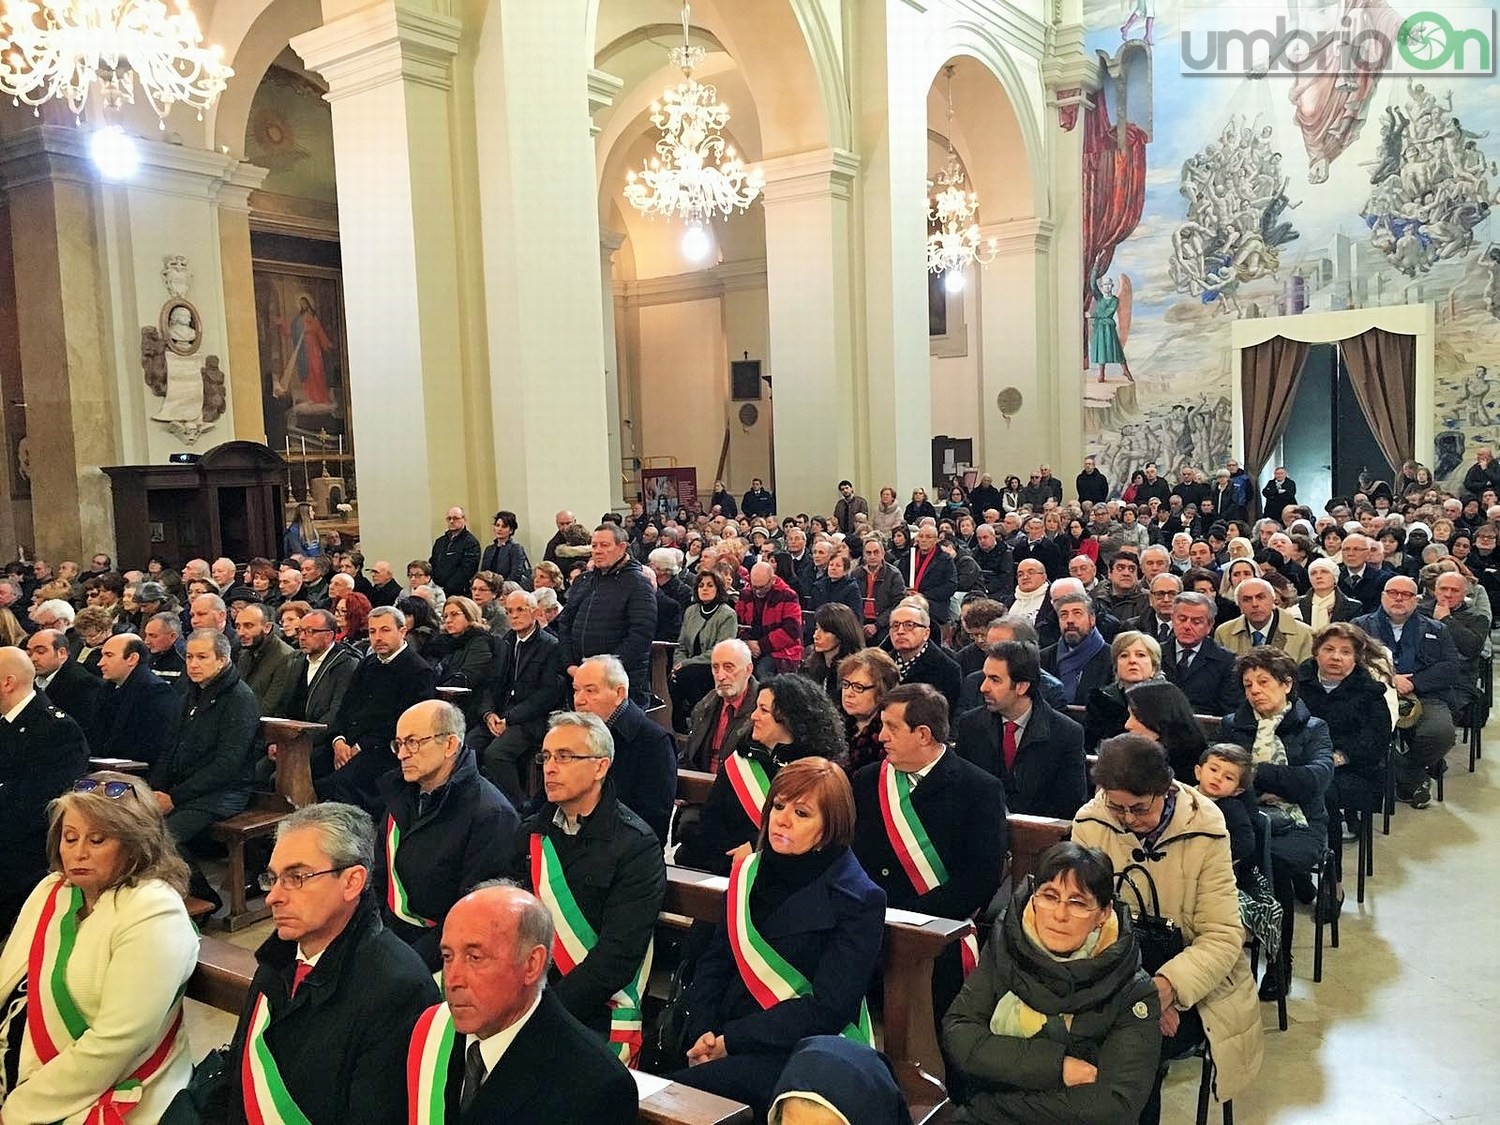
(645,764)
(42,752)
(140,716)
(1203,669)
(320,677)
(1036,752)
(722,716)
(1359,578)
(920,658)
(528,685)
(513,1038)
(71,687)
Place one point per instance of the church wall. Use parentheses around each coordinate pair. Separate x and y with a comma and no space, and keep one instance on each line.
(1256,206)
(15,486)
(955,380)
(682,403)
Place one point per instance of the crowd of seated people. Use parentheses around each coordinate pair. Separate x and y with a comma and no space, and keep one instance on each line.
(870,702)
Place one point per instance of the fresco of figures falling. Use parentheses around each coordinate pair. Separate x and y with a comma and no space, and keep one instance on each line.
(1208,198)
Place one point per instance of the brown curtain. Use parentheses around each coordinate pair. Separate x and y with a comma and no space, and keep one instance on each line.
(1382,369)
(1268,382)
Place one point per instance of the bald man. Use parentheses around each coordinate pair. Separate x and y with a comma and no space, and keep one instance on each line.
(512,1037)
(42,752)
(770,615)
(564,520)
(455,555)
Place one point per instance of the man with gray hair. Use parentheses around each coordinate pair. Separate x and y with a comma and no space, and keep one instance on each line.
(601,866)
(162,632)
(205,776)
(446,830)
(919,658)
(526,685)
(1358,580)
(1192,660)
(644,773)
(386,682)
(1262,623)
(335,994)
(722,716)
(54,613)
(497,945)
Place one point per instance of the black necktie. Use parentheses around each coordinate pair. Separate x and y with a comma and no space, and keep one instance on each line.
(1184,658)
(1164,632)
(474,1071)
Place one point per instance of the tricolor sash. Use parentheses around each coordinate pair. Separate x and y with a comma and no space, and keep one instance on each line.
(575,938)
(750,783)
(265,1095)
(427,1063)
(395,890)
(914,847)
(53,1017)
(769,976)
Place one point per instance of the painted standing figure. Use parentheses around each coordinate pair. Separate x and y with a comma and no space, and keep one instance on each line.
(1105,346)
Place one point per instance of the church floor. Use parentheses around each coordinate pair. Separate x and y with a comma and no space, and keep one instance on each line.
(1405,1027)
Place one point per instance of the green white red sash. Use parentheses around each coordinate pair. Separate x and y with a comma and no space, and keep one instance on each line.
(265,1095)
(395,890)
(53,1017)
(750,783)
(769,976)
(914,847)
(427,1067)
(575,938)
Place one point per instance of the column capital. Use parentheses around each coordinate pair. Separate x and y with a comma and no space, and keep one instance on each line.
(603,89)
(1018,236)
(811,174)
(609,242)
(379,45)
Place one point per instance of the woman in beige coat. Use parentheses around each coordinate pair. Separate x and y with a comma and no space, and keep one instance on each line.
(1140,815)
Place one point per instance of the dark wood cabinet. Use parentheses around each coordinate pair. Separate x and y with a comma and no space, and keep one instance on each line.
(230,503)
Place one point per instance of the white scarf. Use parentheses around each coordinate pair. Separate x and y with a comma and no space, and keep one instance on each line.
(1027,605)
(1322,609)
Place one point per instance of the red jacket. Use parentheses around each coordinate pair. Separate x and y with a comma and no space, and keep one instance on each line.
(775,621)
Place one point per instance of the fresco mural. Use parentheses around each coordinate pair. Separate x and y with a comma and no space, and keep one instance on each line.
(1353,183)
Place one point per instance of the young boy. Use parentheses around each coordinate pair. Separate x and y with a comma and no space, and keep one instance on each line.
(1224,775)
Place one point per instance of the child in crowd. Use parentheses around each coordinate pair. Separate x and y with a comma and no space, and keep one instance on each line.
(1225,775)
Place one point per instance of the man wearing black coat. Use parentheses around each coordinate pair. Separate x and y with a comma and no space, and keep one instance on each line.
(612,609)
(385,684)
(528,685)
(42,752)
(757,501)
(140,715)
(205,776)
(1036,545)
(1036,752)
(644,770)
(1192,660)
(1279,494)
(995,563)
(960,807)
(919,658)
(322,674)
(1092,485)
(1357,577)
(504,931)
(455,555)
(72,688)
(1153,485)
(342,992)
(445,830)
(931,573)
(609,859)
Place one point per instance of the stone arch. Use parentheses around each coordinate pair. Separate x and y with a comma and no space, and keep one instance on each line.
(253,33)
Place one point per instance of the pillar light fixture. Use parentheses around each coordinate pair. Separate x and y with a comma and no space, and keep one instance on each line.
(953,239)
(69,49)
(695,174)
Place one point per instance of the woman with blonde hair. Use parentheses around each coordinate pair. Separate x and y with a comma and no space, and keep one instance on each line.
(100,955)
(11,633)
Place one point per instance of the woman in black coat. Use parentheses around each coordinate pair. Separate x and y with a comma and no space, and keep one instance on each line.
(919,507)
(1137,659)
(470,658)
(505,556)
(835,587)
(836,633)
(1161,711)
(808,900)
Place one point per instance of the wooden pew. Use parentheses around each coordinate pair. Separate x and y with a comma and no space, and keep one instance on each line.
(294,789)
(222,981)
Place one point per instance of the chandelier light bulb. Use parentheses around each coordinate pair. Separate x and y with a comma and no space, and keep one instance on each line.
(696,244)
(953,280)
(114,153)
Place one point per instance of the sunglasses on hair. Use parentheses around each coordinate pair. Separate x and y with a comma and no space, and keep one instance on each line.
(114,790)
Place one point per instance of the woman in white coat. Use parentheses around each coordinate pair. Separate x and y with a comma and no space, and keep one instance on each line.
(95,968)
(1140,815)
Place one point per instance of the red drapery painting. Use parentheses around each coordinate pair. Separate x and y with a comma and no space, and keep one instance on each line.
(1114,192)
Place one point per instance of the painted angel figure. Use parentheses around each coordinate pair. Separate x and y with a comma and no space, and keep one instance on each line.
(1109,312)
(1138,10)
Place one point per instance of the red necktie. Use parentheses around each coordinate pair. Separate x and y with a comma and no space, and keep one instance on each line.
(1008,744)
(726,716)
(303,968)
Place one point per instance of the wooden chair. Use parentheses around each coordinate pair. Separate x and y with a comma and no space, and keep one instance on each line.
(294,789)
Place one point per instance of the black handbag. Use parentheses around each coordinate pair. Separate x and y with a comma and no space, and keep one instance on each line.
(1159,938)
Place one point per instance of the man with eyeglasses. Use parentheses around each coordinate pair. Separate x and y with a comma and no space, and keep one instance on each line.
(42,751)
(1426,660)
(1156,621)
(335,996)
(920,659)
(599,869)
(321,675)
(445,830)
(455,555)
(644,767)
(1358,577)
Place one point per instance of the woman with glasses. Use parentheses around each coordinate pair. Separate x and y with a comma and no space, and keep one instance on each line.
(1058,1022)
(1137,660)
(351,614)
(1176,840)
(96,964)
(793,719)
(865,677)
(836,634)
(799,946)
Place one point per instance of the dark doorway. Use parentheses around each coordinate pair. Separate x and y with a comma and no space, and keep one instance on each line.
(1328,443)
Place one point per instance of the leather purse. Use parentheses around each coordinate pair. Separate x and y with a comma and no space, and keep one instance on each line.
(1159,938)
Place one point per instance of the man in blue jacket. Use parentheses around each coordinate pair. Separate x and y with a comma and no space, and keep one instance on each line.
(612,609)
(139,719)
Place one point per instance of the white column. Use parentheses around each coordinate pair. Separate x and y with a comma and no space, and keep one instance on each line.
(545,318)
(388,69)
(812,347)
(609,242)
(1015,349)
(893,139)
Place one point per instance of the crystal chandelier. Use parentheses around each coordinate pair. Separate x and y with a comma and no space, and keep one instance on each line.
(953,240)
(53,49)
(695,174)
